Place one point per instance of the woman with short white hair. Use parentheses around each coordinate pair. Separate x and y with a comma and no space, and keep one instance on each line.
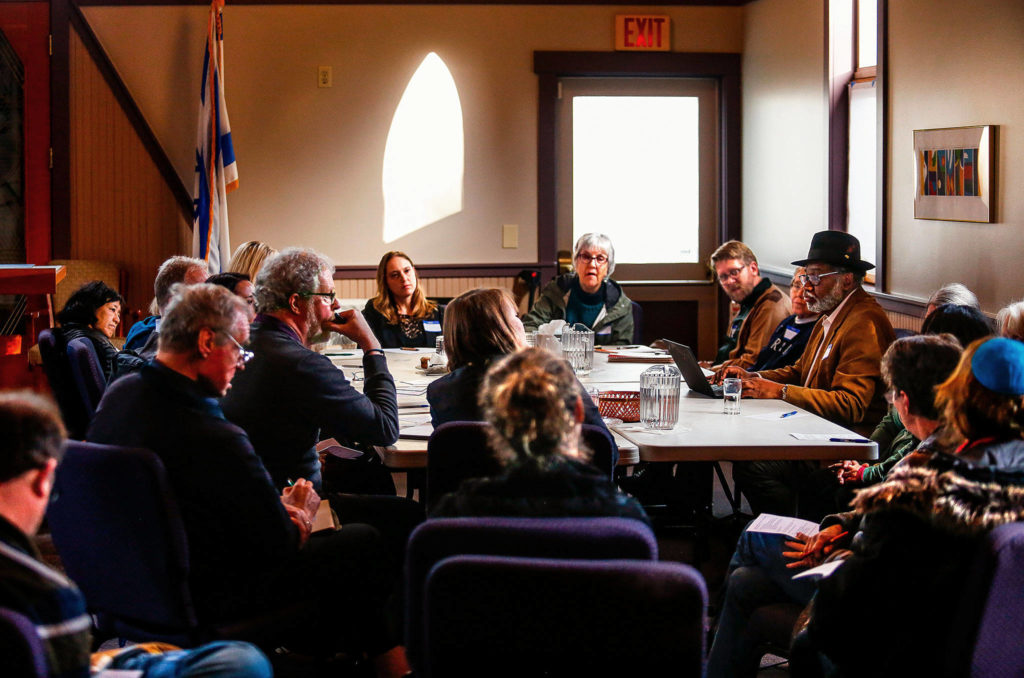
(588,295)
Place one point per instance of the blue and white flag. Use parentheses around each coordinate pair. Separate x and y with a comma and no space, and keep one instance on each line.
(216,172)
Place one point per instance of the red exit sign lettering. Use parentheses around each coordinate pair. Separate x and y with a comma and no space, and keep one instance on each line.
(642,32)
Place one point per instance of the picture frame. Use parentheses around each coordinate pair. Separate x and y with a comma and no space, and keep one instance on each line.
(955,173)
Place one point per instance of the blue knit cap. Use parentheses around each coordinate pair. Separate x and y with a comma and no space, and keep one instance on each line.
(998,365)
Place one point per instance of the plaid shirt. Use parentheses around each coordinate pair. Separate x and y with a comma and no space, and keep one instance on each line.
(49,599)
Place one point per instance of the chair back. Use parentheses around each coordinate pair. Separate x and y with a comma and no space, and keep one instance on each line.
(87,374)
(53,351)
(638,322)
(584,538)
(605,453)
(20,646)
(118,531)
(532,616)
(457,450)
(997,650)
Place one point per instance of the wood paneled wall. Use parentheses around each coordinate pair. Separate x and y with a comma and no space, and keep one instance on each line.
(121,208)
(434,287)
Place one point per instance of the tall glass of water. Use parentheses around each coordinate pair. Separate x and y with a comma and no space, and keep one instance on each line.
(659,397)
(732,390)
(578,348)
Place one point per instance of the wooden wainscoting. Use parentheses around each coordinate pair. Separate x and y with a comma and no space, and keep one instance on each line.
(121,208)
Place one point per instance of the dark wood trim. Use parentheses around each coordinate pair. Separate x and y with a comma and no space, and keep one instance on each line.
(547,152)
(60,131)
(838,98)
(124,98)
(882,170)
(449,271)
(643,3)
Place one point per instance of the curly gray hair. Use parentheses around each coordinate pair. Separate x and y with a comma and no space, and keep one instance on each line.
(193,307)
(291,271)
(599,241)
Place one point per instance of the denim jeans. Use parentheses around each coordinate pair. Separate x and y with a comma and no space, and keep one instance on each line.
(757,576)
(227,659)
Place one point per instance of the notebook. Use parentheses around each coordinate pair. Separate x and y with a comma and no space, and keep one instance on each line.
(691,371)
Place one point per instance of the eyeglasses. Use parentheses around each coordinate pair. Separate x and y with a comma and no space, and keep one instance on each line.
(891,395)
(732,273)
(599,259)
(330,296)
(244,356)
(815,278)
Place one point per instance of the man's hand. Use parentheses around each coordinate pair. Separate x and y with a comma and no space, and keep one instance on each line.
(302,496)
(810,551)
(301,520)
(848,471)
(353,325)
(756,387)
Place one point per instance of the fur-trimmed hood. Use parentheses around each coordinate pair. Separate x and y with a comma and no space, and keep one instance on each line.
(949,493)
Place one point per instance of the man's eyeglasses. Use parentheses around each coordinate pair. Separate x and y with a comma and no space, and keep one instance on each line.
(815,278)
(890,395)
(599,259)
(329,295)
(732,273)
(244,356)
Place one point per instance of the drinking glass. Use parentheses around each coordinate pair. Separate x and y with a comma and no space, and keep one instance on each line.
(732,390)
(578,348)
(659,397)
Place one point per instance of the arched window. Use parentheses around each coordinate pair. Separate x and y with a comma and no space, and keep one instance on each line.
(423,156)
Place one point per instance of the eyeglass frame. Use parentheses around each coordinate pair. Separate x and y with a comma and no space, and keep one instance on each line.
(732,273)
(815,278)
(891,394)
(332,295)
(600,259)
(244,355)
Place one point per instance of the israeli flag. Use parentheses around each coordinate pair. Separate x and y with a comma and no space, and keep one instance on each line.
(216,172)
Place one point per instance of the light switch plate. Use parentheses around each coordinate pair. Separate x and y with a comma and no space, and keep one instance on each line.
(510,236)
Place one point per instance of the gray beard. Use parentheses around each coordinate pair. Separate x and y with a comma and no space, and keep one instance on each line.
(828,303)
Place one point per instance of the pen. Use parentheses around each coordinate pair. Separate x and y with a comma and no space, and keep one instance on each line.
(849,440)
(838,536)
(291,482)
(407,407)
(787,414)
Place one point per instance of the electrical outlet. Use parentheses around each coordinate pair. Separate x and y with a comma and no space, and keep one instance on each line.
(323,76)
(510,236)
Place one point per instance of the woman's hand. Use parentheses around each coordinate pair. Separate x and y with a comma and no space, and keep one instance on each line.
(848,471)
(809,551)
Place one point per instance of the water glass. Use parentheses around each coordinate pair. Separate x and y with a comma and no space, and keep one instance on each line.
(732,390)
(659,397)
(578,348)
(548,342)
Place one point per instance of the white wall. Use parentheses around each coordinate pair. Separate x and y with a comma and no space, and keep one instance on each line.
(953,64)
(310,159)
(785,134)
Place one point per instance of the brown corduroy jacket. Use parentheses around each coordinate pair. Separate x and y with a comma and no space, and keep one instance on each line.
(845,384)
(770,309)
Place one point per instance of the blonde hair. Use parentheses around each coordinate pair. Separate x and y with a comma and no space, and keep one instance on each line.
(733,249)
(1010,321)
(385,304)
(248,258)
(530,400)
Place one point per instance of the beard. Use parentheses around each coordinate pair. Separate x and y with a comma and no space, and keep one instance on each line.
(827,303)
(313,328)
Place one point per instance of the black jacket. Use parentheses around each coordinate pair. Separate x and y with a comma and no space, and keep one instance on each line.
(390,336)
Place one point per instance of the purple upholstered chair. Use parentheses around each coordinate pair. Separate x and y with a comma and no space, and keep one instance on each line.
(20,646)
(86,374)
(502,616)
(116,525)
(54,352)
(583,538)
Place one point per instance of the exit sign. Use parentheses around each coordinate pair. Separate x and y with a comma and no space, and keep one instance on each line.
(642,32)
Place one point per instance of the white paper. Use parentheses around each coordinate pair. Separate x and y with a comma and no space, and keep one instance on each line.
(772,416)
(823,570)
(787,525)
(417,432)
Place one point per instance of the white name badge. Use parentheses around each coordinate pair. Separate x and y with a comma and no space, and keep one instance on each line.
(431,326)
(828,349)
(789,333)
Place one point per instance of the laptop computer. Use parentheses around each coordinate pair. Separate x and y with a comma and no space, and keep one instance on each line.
(691,371)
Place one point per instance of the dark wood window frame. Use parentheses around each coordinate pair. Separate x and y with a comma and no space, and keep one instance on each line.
(552,66)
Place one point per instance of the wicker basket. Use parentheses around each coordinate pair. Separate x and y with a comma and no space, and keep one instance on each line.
(624,405)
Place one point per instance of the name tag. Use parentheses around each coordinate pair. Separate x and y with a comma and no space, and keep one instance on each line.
(789,333)
(431,326)
(604,331)
(828,349)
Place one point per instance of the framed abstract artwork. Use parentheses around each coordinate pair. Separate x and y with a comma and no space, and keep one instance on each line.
(955,173)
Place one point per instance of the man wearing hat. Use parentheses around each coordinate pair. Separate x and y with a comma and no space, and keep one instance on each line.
(838,376)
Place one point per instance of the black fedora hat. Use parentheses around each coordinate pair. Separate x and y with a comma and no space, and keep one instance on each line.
(836,248)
